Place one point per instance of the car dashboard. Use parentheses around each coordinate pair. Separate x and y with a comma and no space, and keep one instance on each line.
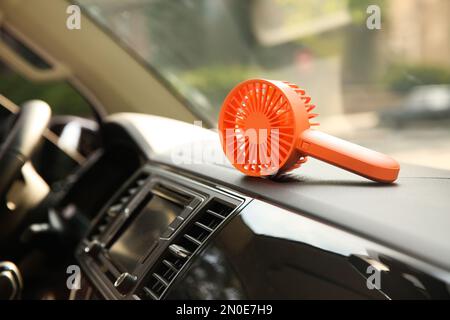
(170,219)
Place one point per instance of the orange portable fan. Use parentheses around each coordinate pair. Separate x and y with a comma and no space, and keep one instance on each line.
(265,129)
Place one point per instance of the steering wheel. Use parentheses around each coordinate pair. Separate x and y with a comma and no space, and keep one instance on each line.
(24,136)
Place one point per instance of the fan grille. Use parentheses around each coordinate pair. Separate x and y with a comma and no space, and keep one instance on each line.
(258,127)
(259,120)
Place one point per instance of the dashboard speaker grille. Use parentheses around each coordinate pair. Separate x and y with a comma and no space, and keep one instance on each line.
(116,207)
(185,245)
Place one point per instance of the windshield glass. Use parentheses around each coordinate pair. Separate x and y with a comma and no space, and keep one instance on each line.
(383,64)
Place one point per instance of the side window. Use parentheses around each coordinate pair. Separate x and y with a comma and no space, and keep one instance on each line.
(60,95)
(73,121)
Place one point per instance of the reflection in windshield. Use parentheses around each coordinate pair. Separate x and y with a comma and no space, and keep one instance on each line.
(392,84)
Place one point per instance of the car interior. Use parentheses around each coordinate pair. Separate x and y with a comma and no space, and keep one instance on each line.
(114,183)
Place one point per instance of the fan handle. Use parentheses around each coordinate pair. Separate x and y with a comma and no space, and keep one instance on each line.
(346,155)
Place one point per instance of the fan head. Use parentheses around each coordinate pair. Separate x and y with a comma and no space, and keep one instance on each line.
(259,125)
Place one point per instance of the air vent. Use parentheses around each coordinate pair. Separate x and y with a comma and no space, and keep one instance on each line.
(116,207)
(184,246)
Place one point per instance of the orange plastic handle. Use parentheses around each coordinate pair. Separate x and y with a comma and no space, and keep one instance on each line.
(346,155)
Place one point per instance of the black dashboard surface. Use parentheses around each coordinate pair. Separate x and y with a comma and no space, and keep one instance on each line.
(412,215)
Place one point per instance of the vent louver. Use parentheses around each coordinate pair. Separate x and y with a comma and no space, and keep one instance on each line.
(115,208)
(184,246)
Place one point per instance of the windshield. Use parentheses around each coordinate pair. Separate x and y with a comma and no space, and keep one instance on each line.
(377,70)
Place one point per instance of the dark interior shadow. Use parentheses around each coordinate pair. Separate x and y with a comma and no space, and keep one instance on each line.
(293,178)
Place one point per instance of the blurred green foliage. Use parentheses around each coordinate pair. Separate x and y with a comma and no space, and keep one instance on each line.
(62,98)
(216,81)
(330,44)
(402,78)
